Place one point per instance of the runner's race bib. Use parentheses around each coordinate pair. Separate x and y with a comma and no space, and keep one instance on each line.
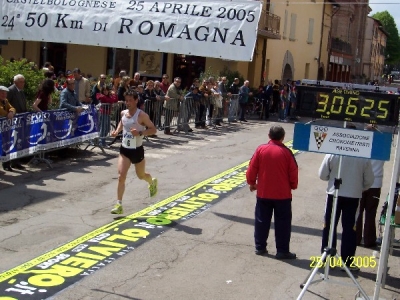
(129,141)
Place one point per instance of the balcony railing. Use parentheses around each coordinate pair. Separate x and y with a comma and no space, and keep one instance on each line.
(269,25)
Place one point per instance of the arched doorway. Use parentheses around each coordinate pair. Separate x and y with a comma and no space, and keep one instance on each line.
(287,67)
(287,73)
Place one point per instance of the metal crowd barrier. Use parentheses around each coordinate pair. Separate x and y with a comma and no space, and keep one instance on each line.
(176,116)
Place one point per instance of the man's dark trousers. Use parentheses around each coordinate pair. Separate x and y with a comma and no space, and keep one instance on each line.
(282,210)
(348,208)
(369,204)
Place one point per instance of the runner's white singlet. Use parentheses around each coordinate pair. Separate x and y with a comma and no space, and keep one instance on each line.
(128,140)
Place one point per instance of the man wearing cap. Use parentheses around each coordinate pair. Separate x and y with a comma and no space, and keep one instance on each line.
(6,110)
(82,87)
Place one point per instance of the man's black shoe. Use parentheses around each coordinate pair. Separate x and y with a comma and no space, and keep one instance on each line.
(288,255)
(261,252)
(7,167)
(18,166)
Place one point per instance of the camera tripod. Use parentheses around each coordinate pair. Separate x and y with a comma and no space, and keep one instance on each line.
(330,251)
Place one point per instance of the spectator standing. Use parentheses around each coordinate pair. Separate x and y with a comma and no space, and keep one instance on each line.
(233,104)
(205,95)
(117,80)
(8,111)
(165,83)
(123,88)
(106,97)
(97,88)
(17,99)
(82,87)
(273,173)
(268,99)
(16,95)
(283,104)
(171,105)
(150,98)
(244,93)
(217,104)
(135,81)
(161,97)
(69,98)
(293,101)
(357,176)
(369,204)
(192,99)
(61,81)
(43,98)
(223,88)
(276,99)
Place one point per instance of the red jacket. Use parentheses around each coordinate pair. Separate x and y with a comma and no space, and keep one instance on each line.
(274,169)
(106,102)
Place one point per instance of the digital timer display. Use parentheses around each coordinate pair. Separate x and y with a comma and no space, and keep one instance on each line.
(347,105)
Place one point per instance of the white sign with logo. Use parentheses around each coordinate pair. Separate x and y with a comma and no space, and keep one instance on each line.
(341,141)
(221,29)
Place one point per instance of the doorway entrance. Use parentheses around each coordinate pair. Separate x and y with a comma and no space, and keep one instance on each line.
(188,67)
(56,53)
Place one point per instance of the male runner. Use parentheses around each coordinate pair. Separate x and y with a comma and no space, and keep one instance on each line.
(133,125)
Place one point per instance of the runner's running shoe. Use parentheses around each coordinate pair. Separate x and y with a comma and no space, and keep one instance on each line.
(153,187)
(117,210)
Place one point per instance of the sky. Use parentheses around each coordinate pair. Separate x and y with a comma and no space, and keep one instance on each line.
(392,6)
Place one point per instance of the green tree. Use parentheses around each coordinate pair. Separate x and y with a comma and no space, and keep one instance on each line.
(393,40)
(33,77)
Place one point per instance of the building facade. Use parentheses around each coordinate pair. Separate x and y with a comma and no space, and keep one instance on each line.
(347,41)
(374,50)
(295,40)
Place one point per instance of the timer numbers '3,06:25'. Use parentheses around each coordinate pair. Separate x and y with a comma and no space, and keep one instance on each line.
(351,106)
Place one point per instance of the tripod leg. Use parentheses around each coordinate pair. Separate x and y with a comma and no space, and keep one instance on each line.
(354,280)
(308,282)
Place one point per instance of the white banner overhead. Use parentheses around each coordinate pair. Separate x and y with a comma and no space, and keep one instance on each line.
(221,29)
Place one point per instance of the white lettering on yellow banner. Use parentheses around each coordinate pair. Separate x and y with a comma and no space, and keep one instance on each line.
(222,29)
(341,141)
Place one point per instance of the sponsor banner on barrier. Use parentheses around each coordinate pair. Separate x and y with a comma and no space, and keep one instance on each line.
(52,272)
(28,133)
(221,29)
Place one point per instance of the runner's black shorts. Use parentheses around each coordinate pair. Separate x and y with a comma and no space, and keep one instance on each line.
(134,155)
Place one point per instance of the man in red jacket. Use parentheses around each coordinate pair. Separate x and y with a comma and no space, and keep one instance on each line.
(273,173)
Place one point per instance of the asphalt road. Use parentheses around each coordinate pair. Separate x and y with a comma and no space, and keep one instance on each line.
(209,256)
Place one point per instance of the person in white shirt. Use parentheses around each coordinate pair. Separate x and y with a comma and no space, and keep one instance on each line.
(357,176)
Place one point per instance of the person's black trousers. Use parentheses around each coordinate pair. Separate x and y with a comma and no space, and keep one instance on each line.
(369,204)
(243,107)
(282,210)
(347,207)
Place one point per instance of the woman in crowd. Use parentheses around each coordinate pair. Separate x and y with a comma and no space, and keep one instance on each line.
(43,98)
(123,88)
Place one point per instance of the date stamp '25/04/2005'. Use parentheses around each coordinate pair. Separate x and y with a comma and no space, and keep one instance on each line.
(354,261)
